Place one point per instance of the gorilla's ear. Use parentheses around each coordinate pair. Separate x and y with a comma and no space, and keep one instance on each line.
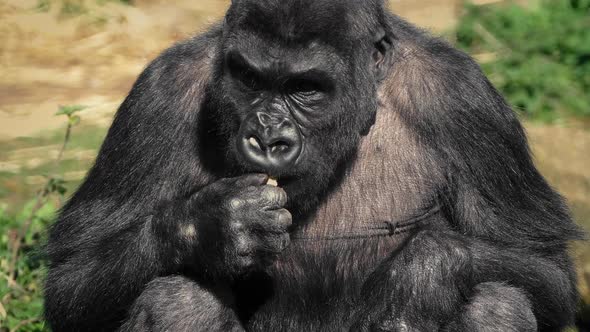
(382,54)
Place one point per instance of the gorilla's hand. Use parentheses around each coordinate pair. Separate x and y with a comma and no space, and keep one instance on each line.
(242,223)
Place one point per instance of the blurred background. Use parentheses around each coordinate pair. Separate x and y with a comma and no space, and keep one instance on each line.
(66,65)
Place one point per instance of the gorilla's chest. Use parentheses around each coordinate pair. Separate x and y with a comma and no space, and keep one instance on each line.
(318,280)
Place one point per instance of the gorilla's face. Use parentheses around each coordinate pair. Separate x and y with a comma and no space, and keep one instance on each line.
(294,106)
(284,103)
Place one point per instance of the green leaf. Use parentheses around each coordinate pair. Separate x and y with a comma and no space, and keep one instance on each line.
(74,120)
(69,110)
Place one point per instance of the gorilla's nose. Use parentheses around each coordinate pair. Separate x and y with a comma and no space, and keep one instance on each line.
(270,141)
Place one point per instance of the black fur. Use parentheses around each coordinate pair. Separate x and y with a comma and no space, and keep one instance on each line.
(174,230)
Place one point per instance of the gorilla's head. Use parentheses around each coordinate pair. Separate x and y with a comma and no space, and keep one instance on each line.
(297,84)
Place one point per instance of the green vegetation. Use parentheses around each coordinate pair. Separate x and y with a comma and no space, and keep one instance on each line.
(70,8)
(540,56)
(22,234)
(29,160)
(21,305)
(43,5)
(81,8)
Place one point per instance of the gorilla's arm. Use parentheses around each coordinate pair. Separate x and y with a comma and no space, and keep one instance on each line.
(130,221)
(177,303)
(150,208)
(493,192)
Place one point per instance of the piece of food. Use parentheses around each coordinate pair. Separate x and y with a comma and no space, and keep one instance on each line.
(272,181)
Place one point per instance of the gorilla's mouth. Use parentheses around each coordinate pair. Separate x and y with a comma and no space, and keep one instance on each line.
(285,181)
(283,177)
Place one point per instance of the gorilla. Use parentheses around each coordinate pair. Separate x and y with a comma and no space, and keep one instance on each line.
(406,196)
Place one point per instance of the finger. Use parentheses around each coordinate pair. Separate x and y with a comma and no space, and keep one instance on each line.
(284,219)
(275,221)
(274,197)
(255,179)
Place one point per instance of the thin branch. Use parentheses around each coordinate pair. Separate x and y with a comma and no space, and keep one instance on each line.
(63,147)
(25,323)
(39,202)
(13,284)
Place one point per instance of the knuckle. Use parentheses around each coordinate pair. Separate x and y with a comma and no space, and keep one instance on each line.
(235,203)
(252,189)
(243,246)
(284,216)
(274,194)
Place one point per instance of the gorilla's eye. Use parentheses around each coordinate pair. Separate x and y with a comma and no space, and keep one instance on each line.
(242,72)
(250,79)
(304,87)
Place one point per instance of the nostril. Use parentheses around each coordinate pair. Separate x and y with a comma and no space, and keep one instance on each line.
(255,143)
(279,146)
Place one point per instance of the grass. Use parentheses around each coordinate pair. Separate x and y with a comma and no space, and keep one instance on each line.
(74,7)
(22,304)
(22,263)
(32,156)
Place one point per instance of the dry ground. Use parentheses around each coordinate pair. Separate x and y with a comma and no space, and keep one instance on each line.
(49,58)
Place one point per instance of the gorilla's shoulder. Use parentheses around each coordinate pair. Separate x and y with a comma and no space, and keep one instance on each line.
(201,44)
(186,63)
(176,80)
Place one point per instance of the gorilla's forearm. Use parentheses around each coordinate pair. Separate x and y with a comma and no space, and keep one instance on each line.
(167,299)
(96,276)
(91,288)
(436,275)
(127,224)
(548,282)
(209,233)
(420,285)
